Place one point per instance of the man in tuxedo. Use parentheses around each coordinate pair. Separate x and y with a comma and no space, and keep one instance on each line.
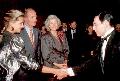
(74,38)
(75,41)
(105,64)
(110,50)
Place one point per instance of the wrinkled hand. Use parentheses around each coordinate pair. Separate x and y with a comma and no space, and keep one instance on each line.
(61,73)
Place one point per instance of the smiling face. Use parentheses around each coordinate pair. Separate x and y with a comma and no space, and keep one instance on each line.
(53,24)
(90,29)
(17,25)
(73,25)
(13,21)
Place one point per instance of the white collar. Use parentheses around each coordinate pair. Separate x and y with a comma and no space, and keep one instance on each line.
(108,32)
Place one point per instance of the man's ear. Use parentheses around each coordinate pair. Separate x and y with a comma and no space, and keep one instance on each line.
(105,22)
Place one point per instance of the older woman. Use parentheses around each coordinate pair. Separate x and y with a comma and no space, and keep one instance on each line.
(54,45)
(12,54)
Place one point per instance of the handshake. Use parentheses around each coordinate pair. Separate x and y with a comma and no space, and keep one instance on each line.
(64,71)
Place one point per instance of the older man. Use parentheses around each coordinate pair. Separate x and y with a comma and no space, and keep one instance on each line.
(31,37)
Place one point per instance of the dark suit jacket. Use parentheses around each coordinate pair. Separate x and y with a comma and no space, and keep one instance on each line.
(75,46)
(111,68)
(31,52)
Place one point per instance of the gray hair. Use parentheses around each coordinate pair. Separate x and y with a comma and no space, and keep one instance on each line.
(50,17)
(28,10)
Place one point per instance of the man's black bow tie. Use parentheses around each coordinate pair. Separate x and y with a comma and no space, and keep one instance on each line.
(105,38)
(102,39)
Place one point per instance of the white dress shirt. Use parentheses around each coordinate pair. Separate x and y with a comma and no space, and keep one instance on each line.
(28,31)
(72,32)
(105,42)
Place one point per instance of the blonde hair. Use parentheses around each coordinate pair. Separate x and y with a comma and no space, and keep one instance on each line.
(12,15)
(50,17)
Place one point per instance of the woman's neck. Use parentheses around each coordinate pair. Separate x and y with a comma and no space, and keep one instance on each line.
(90,33)
(54,33)
(9,30)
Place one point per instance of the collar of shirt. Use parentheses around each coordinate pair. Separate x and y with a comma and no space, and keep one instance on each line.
(73,31)
(107,36)
(27,29)
(108,32)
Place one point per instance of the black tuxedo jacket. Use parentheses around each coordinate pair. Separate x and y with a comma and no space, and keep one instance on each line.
(75,46)
(111,68)
(73,41)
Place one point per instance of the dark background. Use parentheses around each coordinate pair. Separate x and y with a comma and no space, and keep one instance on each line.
(82,10)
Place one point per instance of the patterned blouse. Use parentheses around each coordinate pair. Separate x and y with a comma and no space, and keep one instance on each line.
(12,56)
(54,50)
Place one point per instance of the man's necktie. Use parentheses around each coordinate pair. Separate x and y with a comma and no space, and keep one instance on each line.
(31,37)
(74,31)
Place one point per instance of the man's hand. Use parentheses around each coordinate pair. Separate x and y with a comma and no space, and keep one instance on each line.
(60,73)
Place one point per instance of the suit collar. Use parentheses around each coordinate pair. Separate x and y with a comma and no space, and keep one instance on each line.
(108,32)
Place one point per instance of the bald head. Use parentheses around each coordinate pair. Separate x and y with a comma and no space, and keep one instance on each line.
(29,11)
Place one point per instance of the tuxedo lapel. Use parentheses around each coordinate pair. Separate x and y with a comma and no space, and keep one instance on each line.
(109,47)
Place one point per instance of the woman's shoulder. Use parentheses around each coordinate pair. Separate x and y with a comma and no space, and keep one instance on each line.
(17,39)
(36,29)
(16,36)
(46,35)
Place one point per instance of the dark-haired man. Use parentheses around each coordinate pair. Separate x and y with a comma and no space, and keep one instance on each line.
(105,64)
